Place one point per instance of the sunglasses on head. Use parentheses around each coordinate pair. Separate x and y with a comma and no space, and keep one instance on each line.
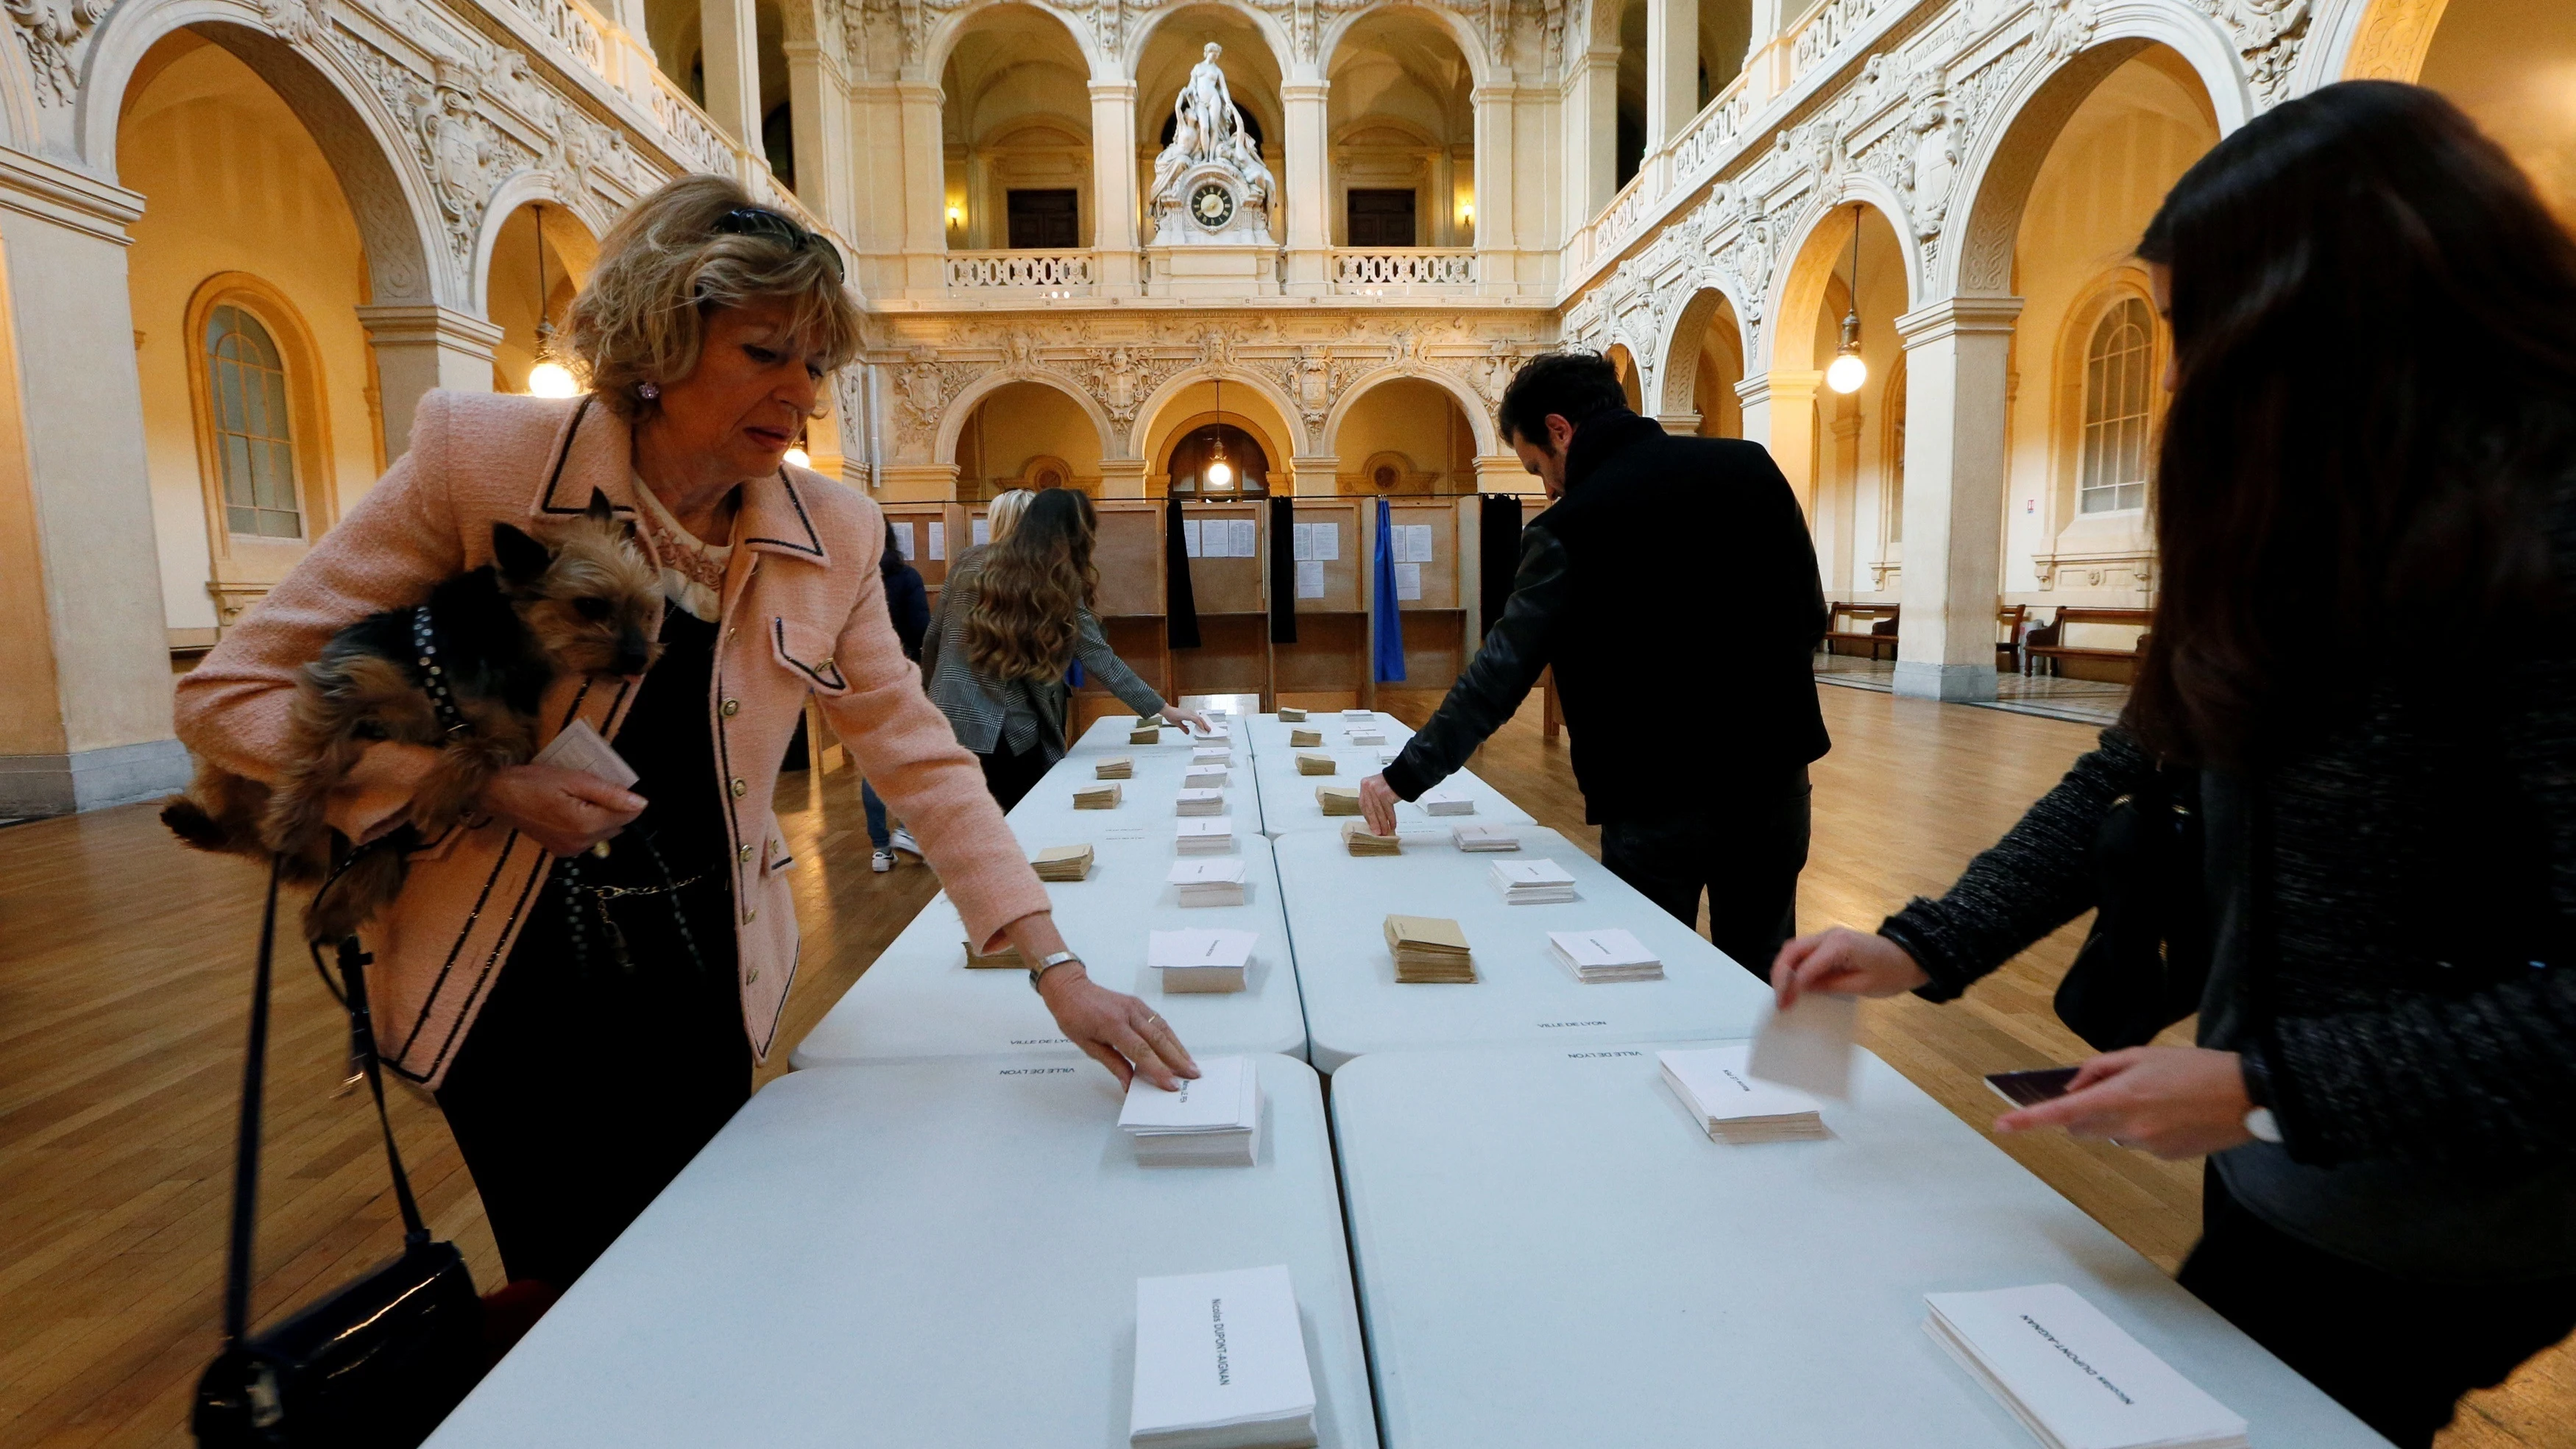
(770,226)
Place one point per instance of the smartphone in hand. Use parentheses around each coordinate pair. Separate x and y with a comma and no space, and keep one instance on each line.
(2029,1089)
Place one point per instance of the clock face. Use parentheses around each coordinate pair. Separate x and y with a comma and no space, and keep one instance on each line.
(1212,206)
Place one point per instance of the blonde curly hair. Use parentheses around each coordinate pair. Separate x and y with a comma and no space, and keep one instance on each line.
(665,266)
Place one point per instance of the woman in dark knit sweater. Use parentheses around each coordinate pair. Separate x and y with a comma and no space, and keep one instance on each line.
(2366,524)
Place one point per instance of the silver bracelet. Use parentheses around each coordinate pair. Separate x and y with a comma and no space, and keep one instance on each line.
(1048,964)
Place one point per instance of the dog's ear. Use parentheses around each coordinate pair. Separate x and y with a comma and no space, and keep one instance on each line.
(600,509)
(523,560)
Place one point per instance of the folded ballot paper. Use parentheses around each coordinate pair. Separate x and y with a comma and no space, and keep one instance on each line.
(1358,716)
(1063,862)
(1338,799)
(1608,954)
(1292,714)
(1532,882)
(1447,802)
(1145,735)
(1199,802)
(1005,959)
(1429,950)
(1120,768)
(1205,835)
(1214,1121)
(1204,777)
(1097,797)
(1357,839)
(1211,754)
(2072,1376)
(1484,837)
(1200,960)
(1316,765)
(1809,1046)
(1727,1101)
(1305,739)
(577,746)
(1221,1363)
(1366,737)
(1208,882)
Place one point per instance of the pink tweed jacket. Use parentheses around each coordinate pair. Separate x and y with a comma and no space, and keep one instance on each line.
(803,614)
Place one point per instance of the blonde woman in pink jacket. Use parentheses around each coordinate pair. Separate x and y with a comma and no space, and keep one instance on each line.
(589,1022)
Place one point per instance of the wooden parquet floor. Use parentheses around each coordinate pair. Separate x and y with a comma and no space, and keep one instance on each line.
(125,963)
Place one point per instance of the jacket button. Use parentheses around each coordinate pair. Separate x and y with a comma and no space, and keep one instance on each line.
(753,977)
(732,707)
(743,854)
(751,915)
(739,788)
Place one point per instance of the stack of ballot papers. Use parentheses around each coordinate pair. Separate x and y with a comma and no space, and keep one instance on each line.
(1220,1363)
(1118,768)
(1199,802)
(1205,836)
(1355,835)
(1305,739)
(1204,777)
(1367,737)
(1212,755)
(1294,716)
(1447,802)
(1609,954)
(1063,862)
(1209,882)
(2072,1376)
(1145,735)
(1429,950)
(1214,1121)
(1097,797)
(1200,960)
(1484,837)
(1338,799)
(1532,882)
(1731,1103)
(1005,959)
(1359,716)
(1310,764)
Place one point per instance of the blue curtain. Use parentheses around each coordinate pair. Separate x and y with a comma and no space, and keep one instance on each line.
(1389,624)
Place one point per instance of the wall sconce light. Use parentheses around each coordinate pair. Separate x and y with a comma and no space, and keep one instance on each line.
(1467,213)
(956,216)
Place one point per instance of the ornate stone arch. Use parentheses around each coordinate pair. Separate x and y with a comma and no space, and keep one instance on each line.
(522,188)
(1677,351)
(1283,50)
(1480,416)
(371,151)
(2001,159)
(952,423)
(1449,22)
(951,28)
(1283,421)
(2367,40)
(1798,286)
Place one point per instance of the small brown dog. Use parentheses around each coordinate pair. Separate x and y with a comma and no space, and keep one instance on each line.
(464,672)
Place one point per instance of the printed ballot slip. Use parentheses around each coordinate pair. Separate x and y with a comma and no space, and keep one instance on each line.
(1212,1121)
(577,746)
(1191,960)
(1204,835)
(1730,1104)
(1221,1363)
(1809,1047)
(1606,953)
(1216,882)
(2074,1378)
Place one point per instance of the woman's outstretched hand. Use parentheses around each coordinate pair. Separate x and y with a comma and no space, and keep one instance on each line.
(2171,1101)
(1188,719)
(1115,1029)
(564,811)
(1843,962)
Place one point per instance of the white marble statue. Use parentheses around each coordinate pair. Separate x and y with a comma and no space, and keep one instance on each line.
(1210,152)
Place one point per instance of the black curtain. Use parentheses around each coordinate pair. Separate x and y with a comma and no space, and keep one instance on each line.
(1283,570)
(1180,606)
(1499,556)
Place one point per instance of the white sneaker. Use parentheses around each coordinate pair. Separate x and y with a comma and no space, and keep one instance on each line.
(904,842)
(881,862)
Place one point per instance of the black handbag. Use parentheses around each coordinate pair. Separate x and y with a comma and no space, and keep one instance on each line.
(375,1365)
(2145,964)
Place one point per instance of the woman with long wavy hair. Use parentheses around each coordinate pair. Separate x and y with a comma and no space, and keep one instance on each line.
(2366,500)
(1013,618)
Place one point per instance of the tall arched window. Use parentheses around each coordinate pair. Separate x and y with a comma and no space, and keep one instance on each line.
(2112,471)
(254,437)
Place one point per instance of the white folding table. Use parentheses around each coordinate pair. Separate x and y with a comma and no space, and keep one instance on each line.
(921,1000)
(1109,734)
(1337,908)
(1146,800)
(1552,1252)
(944,1253)
(1288,798)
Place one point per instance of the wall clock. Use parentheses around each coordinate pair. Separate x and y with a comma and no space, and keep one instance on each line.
(1212,206)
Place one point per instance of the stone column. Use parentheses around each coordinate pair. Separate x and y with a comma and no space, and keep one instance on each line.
(1309,187)
(1114,241)
(1314,475)
(925,189)
(1780,414)
(918,483)
(1122,477)
(1679,425)
(1672,69)
(729,30)
(1497,269)
(1955,415)
(420,346)
(1766,57)
(1504,473)
(1591,101)
(84,639)
(814,101)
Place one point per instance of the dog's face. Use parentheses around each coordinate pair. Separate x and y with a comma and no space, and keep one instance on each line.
(590,597)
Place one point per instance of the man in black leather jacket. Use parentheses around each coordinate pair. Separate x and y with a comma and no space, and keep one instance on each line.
(1673,586)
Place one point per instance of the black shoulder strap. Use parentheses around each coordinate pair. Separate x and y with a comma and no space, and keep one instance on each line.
(362,1048)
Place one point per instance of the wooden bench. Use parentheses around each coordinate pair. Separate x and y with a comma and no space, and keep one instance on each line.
(1859,628)
(2012,620)
(2045,647)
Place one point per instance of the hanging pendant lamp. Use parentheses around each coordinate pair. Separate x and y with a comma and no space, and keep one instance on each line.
(548,378)
(1848,371)
(1220,473)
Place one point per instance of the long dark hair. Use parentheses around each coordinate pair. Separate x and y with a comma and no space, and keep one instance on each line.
(891,562)
(2375,327)
(1024,623)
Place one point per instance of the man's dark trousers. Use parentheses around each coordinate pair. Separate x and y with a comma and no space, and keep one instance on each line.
(1746,852)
